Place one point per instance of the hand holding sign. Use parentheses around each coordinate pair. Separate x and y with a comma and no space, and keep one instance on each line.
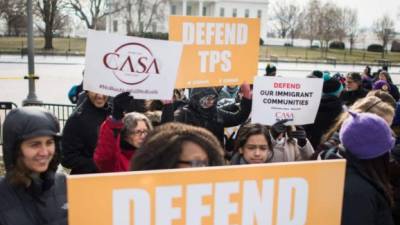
(301,136)
(279,128)
(121,104)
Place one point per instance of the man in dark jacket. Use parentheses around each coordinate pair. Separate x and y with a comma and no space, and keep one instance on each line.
(354,89)
(329,109)
(31,191)
(80,134)
(202,111)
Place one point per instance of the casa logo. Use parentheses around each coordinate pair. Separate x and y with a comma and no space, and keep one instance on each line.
(132,63)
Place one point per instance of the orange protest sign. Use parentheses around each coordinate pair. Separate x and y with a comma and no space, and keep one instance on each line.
(277,193)
(217,51)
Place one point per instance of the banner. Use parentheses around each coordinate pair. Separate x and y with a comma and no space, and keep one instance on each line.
(145,67)
(275,193)
(217,51)
(278,98)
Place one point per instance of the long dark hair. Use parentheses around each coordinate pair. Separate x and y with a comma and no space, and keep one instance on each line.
(378,170)
(250,129)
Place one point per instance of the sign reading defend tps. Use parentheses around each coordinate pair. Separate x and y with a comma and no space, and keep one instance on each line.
(269,194)
(279,98)
(145,67)
(217,51)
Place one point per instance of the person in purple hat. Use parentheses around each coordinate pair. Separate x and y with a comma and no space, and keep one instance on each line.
(368,196)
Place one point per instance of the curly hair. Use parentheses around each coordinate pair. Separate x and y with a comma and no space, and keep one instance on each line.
(163,146)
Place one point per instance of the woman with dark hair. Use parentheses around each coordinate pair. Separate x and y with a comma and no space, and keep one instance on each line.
(253,145)
(393,90)
(177,145)
(31,191)
(368,195)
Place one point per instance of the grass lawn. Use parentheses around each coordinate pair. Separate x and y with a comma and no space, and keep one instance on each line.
(77,46)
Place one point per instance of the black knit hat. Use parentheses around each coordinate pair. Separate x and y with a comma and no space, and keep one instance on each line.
(331,86)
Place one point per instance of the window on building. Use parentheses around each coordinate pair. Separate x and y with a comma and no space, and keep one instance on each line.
(173,10)
(234,12)
(204,12)
(247,13)
(115,26)
(221,12)
(189,10)
(259,13)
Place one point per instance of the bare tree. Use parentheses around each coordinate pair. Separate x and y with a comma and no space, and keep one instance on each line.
(141,14)
(49,11)
(14,13)
(92,11)
(286,17)
(384,30)
(328,24)
(350,25)
(311,20)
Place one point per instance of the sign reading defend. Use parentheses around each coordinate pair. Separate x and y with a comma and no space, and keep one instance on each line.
(269,194)
(217,51)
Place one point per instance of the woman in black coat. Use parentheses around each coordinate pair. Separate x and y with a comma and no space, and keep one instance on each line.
(368,197)
(31,192)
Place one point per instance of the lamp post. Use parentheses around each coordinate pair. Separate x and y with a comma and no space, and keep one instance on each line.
(31,98)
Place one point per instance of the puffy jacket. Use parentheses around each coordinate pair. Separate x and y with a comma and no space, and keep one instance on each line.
(213,119)
(43,202)
(290,151)
(80,137)
(111,155)
(364,201)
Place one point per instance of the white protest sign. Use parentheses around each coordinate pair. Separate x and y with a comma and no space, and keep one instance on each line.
(145,67)
(278,98)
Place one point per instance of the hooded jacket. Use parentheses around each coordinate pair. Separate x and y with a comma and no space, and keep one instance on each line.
(213,119)
(80,137)
(43,202)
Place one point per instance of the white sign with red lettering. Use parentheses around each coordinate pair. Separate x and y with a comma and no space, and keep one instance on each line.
(278,98)
(145,67)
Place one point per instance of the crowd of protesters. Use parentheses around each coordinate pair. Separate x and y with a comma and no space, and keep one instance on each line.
(358,119)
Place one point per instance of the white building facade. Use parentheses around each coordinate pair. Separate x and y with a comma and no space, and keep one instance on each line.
(118,23)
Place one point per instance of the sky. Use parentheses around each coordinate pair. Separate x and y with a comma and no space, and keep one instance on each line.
(368,10)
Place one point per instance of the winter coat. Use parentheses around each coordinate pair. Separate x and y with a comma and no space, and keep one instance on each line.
(33,205)
(394,91)
(80,137)
(213,119)
(364,201)
(328,111)
(290,151)
(349,97)
(43,201)
(110,154)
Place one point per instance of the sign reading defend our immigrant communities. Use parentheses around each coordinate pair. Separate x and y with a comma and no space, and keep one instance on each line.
(217,51)
(145,67)
(279,98)
(267,194)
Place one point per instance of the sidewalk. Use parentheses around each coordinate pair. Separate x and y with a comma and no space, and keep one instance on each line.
(39,59)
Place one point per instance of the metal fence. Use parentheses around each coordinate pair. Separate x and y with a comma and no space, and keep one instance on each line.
(61,111)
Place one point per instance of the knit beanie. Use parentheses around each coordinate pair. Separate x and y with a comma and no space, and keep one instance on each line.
(379,85)
(366,135)
(331,86)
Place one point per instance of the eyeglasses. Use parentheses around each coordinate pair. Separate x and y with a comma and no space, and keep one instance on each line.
(140,132)
(195,163)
